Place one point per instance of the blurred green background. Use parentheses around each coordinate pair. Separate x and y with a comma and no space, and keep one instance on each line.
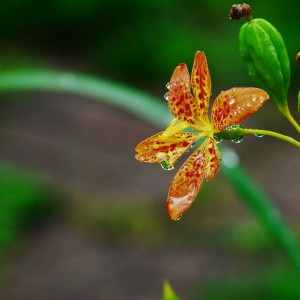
(79,217)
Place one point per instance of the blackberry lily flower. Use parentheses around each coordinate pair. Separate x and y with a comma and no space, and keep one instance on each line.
(188,100)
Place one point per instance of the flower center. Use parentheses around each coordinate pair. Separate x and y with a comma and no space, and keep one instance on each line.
(176,127)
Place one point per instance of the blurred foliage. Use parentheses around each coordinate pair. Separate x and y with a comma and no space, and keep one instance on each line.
(24,202)
(277,283)
(168,292)
(138,42)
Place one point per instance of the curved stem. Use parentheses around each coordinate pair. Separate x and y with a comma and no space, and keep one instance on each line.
(261,205)
(286,112)
(273,134)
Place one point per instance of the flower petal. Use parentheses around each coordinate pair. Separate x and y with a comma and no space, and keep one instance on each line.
(213,159)
(157,148)
(234,105)
(181,101)
(203,163)
(201,82)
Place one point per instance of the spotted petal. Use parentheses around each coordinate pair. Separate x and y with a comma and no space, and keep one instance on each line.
(157,148)
(234,105)
(203,163)
(181,101)
(201,83)
(213,159)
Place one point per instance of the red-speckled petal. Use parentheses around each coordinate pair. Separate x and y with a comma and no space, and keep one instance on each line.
(234,105)
(156,149)
(213,159)
(203,163)
(181,101)
(201,82)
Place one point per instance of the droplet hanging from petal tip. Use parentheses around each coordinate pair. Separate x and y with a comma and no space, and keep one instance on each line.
(178,218)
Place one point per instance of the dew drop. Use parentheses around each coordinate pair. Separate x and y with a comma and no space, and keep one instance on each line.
(166,96)
(230,127)
(178,218)
(232,101)
(165,166)
(237,140)
(217,139)
(258,135)
(168,85)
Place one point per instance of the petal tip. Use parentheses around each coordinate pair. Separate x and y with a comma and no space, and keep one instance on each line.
(173,211)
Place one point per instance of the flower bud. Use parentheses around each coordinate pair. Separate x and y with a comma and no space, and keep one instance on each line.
(264,52)
(238,11)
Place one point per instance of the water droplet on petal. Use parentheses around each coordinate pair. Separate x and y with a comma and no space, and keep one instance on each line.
(178,218)
(232,101)
(168,85)
(258,135)
(254,98)
(166,166)
(166,96)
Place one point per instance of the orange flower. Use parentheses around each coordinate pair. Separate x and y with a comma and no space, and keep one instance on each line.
(188,100)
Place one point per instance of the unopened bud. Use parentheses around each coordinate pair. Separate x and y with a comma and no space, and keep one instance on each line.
(238,11)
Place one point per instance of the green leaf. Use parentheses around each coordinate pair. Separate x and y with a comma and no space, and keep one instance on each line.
(169,293)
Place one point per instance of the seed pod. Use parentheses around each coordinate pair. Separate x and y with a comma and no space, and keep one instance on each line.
(264,52)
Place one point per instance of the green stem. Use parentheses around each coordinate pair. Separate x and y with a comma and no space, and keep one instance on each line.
(261,205)
(273,134)
(286,112)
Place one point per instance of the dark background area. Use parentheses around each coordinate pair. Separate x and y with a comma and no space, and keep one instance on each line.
(79,217)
